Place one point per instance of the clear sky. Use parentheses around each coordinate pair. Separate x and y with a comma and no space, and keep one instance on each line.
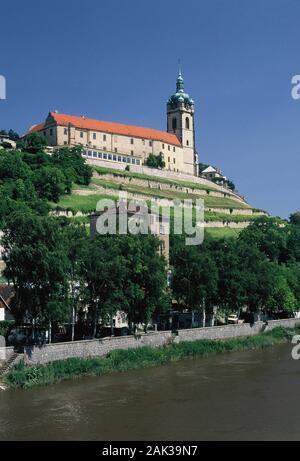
(117,60)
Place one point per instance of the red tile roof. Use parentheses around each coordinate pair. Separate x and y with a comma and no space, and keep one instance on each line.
(34,128)
(110,127)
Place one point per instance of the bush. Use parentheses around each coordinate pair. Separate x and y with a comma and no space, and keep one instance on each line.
(155,161)
(5,327)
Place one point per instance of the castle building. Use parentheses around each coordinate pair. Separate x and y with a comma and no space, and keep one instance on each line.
(106,142)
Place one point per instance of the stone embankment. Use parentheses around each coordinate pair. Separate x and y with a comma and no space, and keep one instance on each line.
(101,347)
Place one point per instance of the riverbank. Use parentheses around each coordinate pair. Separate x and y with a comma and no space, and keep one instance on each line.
(142,357)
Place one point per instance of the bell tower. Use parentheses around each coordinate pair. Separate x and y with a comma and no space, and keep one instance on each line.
(180,121)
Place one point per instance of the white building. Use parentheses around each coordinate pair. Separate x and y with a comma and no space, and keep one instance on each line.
(119,143)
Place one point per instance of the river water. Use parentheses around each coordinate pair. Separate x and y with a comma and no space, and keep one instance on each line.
(236,396)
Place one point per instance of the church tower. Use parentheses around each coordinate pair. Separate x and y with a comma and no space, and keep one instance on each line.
(180,121)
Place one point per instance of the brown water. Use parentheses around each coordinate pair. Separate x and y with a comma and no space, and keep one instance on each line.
(244,395)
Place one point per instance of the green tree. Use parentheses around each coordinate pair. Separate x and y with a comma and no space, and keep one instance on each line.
(12,166)
(155,161)
(268,236)
(36,264)
(295,218)
(195,277)
(35,142)
(281,296)
(104,273)
(50,183)
(13,135)
(70,160)
(75,241)
(231,290)
(146,281)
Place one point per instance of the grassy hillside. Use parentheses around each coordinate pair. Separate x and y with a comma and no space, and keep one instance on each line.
(107,183)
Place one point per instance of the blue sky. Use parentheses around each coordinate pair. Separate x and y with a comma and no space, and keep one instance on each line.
(117,61)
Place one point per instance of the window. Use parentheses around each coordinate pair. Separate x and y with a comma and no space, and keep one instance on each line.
(173,149)
(90,153)
(174,161)
(104,148)
(187,123)
(104,137)
(44,133)
(131,141)
(174,123)
(133,161)
(187,142)
(94,135)
(99,154)
(169,159)
(124,159)
(128,160)
(138,162)
(65,143)
(131,152)
(95,154)
(150,143)
(105,156)
(119,158)
(109,157)
(168,147)
(81,134)
(84,152)
(51,132)
(163,146)
(114,158)
(65,130)
(116,150)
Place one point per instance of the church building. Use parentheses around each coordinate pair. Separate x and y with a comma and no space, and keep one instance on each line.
(109,142)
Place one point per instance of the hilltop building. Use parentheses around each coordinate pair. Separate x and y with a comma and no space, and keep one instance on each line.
(6,142)
(118,143)
(213,174)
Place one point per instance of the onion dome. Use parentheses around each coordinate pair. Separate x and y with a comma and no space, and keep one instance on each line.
(180,97)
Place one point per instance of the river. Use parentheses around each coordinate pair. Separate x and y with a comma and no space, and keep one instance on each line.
(252,395)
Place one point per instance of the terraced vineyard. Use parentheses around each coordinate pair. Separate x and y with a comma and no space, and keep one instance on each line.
(225,212)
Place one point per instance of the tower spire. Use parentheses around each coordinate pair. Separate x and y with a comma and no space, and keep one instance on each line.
(179,81)
(179,66)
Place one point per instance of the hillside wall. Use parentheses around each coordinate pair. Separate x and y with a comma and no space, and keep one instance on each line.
(165,174)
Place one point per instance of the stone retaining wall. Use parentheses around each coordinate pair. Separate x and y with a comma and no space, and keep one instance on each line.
(152,184)
(163,174)
(6,353)
(101,347)
(92,348)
